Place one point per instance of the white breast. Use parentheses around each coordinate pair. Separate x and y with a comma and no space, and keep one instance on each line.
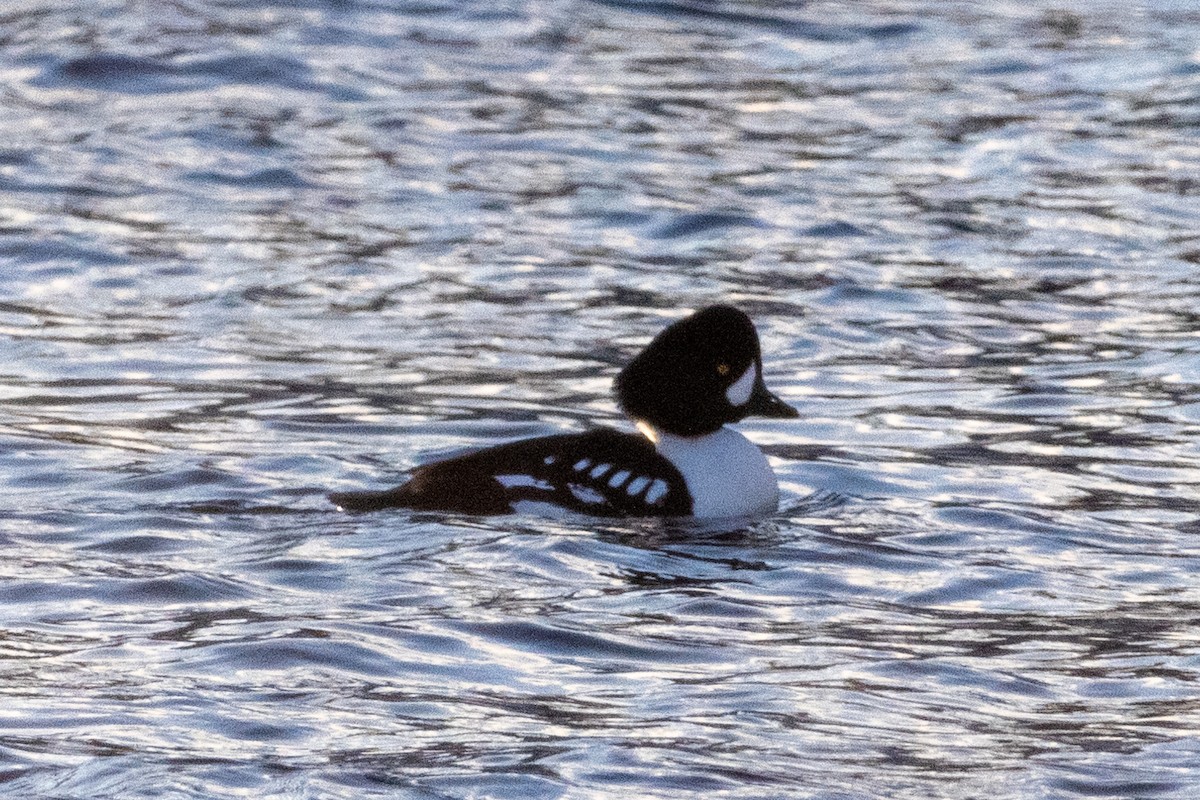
(727,475)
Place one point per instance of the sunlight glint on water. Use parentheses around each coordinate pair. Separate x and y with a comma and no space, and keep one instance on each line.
(256,254)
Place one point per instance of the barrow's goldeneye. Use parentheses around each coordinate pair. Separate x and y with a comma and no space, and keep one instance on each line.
(697,375)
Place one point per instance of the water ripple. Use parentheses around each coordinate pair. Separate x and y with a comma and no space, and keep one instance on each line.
(255,254)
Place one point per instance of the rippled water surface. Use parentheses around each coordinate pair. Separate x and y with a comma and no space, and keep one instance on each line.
(256,252)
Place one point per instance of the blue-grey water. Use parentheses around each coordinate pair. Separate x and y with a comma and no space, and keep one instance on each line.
(254,252)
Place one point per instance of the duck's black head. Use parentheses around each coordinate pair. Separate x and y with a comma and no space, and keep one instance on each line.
(699,374)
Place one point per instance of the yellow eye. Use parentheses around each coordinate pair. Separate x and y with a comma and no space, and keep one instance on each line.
(722,369)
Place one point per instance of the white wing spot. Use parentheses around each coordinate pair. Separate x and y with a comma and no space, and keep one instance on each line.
(600,469)
(509,481)
(618,478)
(548,460)
(739,391)
(585,494)
(582,464)
(656,491)
(636,485)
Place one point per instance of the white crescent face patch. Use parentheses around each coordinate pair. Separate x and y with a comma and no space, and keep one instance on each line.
(739,391)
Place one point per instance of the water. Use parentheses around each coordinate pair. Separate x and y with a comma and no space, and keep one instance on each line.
(254,253)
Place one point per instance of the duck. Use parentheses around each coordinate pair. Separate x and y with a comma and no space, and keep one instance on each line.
(697,377)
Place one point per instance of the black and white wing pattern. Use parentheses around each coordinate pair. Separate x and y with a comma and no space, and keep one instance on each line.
(602,472)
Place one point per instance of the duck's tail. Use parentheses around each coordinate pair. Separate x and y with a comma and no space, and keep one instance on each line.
(434,487)
(397,497)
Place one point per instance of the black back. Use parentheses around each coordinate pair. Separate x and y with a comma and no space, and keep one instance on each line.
(566,470)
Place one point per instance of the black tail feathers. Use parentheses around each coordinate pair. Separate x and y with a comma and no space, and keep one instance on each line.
(434,487)
(397,497)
